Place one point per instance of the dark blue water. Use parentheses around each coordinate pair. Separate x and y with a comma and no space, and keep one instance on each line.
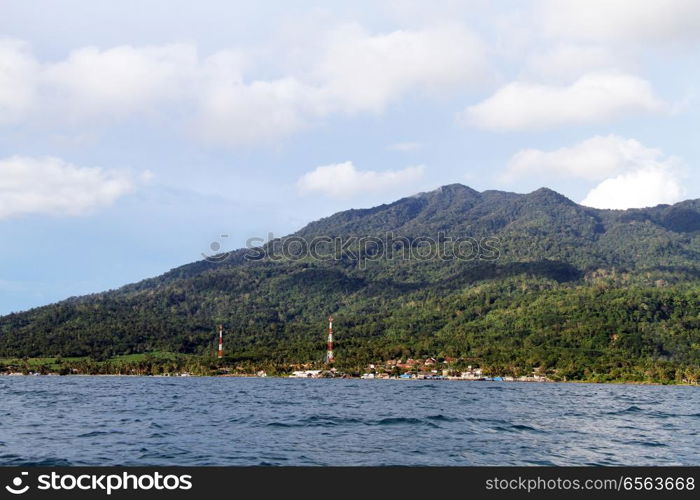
(238,421)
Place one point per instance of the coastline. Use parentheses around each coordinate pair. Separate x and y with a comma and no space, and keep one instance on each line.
(277,377)
(175,365)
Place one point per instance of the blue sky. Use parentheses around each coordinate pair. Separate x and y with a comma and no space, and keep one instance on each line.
(135,133)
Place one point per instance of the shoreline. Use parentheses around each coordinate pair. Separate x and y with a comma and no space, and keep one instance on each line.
(639,383)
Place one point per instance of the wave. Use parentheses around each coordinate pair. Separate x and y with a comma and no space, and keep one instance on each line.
(317,421)
(15,460)
(629,409)
(98,433)
(443,418)
(329,421)
(519,428)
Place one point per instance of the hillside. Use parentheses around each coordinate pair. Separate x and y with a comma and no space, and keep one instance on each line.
(592,294)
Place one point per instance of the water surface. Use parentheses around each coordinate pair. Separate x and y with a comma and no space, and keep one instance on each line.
(247,421)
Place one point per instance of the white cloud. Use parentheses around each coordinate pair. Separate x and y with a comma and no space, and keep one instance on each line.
(92,85)
(18,76)
(646,187)
(119,81)
(232,111)
(235,113)
(591,98)
(629,174)
(654,21)
(354,72)
(343,180)
(363,72)
(52,186)
(592,159)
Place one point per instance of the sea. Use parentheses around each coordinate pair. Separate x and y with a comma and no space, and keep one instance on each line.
(75,420)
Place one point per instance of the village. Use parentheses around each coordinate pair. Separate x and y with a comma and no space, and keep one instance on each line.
(426,368)
(418,369)
(429,368)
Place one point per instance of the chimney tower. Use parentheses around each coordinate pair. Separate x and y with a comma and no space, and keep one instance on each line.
(329,351)
(220,354)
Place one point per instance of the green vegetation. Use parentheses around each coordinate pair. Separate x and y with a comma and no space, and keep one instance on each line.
(576,293)
(158,363)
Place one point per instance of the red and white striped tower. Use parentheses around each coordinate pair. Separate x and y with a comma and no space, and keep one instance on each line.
(220,354)
(329,352)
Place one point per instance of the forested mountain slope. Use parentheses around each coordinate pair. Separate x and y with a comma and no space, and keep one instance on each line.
(516,281)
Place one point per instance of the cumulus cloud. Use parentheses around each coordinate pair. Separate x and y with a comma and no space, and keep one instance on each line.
(646,187)
(354,72)
(18,77)
(629,174)
(120,81)
(91,84)
(667,21)
(343,180)
(364,72)
(592,159)
(237,113)
(52,186)
(592,98)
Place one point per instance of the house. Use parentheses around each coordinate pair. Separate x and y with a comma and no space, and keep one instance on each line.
(472,374)
(409,364)
(306,374)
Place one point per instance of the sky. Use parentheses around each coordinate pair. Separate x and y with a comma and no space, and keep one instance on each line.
(136,133)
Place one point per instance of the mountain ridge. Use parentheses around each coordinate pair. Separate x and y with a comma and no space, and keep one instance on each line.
(673,223)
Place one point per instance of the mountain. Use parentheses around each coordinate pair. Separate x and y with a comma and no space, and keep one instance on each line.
(513,281)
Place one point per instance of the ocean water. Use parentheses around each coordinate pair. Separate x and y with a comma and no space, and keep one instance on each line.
(248,421)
